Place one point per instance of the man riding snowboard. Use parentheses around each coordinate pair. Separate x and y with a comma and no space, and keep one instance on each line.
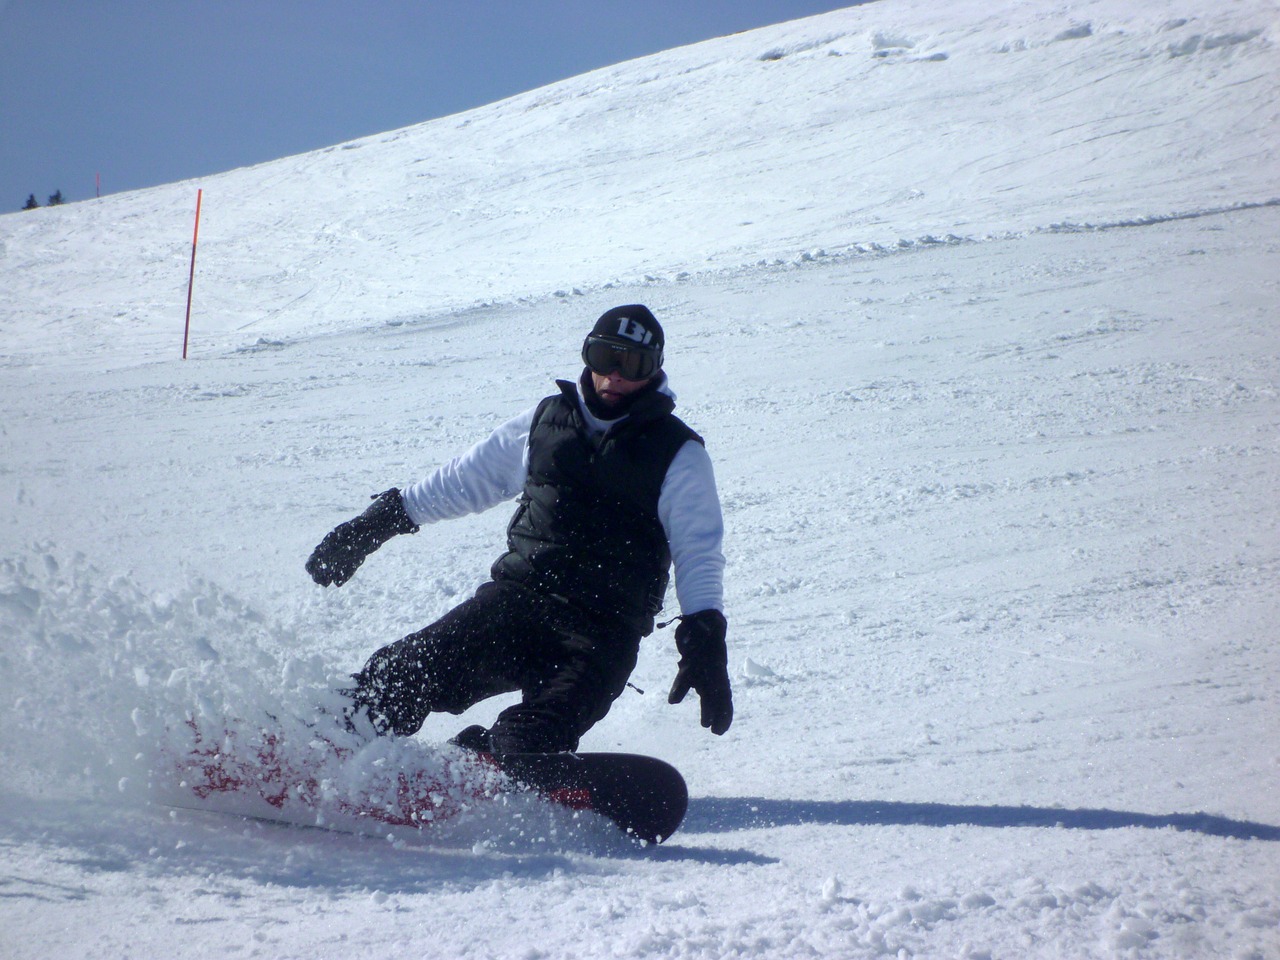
(613,490)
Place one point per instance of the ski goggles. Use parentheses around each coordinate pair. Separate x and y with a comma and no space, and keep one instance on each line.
(631,362)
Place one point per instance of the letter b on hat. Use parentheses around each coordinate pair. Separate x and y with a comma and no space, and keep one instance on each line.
(632,324)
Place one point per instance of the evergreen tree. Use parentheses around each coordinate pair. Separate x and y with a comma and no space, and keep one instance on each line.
(55,199)
(31,202)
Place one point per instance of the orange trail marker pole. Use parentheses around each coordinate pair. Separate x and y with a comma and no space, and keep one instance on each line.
(191,280)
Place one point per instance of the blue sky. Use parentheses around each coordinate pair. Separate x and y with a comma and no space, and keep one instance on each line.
(144,92)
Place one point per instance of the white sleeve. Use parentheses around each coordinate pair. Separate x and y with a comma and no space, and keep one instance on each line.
(491,472)
(689,508)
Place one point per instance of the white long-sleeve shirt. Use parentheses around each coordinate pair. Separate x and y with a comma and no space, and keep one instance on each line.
(494,471)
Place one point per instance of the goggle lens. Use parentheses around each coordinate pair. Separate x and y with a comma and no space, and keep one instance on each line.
(633,363)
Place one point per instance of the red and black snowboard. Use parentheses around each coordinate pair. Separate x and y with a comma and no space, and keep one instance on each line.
(644,796)
(306,778)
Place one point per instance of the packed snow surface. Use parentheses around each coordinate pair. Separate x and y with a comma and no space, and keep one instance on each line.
(976,307)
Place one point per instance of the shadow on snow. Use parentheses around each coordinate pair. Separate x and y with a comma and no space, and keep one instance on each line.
(727,814)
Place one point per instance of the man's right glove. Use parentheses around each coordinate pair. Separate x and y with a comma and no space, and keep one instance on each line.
(704,667)
(343,549)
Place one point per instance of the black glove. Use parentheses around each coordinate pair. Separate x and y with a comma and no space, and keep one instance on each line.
(343,549)
(704,667)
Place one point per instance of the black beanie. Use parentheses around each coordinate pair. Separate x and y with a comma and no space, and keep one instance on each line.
(630,326)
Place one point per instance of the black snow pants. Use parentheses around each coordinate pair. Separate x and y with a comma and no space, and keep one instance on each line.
(568,666)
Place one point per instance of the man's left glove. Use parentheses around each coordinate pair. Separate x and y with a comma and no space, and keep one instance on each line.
(343,549)
(703,667)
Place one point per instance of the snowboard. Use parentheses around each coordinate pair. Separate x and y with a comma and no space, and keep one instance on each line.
(646,797)
(308,778)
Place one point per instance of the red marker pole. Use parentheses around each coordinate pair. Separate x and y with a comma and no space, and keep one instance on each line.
(191,280)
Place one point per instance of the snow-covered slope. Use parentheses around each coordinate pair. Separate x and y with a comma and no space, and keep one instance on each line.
(877,125)
(976,308)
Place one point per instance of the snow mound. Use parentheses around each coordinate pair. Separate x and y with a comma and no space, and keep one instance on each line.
(109,684)
(89,656)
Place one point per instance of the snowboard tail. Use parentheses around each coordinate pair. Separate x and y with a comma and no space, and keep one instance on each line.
(317,781)
(314,780)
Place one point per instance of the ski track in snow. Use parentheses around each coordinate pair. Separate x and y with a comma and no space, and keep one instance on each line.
(994,408)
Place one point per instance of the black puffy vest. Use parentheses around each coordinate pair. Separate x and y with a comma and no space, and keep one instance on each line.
(586,527)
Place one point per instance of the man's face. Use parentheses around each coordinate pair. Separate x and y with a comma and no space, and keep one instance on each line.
(613,388)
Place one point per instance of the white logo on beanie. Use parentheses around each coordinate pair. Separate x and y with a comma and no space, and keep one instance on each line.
(634,330)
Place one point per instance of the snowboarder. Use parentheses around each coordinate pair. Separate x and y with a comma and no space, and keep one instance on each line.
(613,489)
